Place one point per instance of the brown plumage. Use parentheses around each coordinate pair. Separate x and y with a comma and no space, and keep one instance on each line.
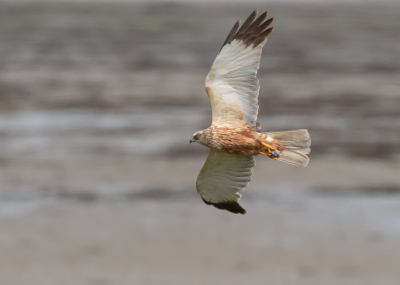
(235,137)
(239,140)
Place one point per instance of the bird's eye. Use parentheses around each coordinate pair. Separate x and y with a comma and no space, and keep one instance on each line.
(196,137)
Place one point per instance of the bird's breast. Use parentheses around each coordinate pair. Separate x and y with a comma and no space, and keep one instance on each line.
(241,141)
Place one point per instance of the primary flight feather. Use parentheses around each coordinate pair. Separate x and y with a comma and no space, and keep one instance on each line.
(235,137)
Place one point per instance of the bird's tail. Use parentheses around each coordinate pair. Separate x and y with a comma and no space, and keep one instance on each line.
(296,146)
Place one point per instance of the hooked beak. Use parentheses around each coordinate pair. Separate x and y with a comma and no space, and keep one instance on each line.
(190,141)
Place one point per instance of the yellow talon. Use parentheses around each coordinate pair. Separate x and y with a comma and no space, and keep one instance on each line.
(272,151)
(269,146)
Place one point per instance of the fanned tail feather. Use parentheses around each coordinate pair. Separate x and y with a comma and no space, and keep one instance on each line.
(297,145)
(294,157)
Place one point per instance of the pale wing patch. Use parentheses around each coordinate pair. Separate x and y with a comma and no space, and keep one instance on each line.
(232,83)
(226,107)
(223,177)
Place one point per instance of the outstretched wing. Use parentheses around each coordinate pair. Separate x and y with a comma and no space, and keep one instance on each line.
(232,83)
(222,177)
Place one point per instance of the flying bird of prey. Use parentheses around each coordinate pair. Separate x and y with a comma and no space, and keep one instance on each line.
(235,137)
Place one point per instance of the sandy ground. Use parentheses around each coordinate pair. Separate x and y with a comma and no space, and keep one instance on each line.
(97,179)
(302,240)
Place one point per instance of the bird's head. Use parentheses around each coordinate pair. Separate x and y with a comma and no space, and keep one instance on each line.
(198,137)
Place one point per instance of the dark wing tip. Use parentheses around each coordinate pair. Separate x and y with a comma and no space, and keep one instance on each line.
(208,203)
(232,33)
(252,32)
(231,206)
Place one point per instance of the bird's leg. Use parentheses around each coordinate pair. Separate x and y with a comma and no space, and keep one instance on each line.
(272,151)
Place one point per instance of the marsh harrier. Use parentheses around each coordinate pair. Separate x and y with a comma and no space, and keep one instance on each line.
(235,137)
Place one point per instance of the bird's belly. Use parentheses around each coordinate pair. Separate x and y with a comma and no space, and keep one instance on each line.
(246,147)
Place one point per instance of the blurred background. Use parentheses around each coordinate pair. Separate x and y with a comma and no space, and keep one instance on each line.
(97,178)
